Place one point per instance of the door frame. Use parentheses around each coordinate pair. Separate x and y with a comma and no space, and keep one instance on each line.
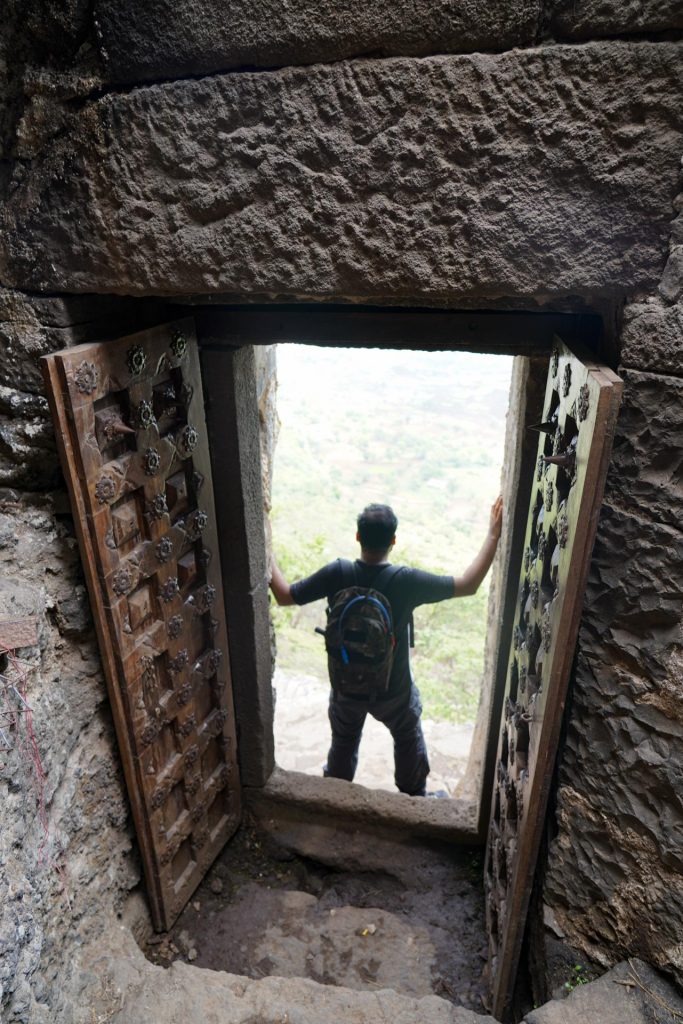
(226,337)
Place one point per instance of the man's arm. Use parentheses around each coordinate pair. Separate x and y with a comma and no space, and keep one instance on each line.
(471,579)
(279,585)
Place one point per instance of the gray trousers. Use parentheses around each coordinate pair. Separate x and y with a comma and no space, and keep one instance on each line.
(401,715)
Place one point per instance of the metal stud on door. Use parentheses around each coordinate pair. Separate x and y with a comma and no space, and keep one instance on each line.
(130,429)
(575,439)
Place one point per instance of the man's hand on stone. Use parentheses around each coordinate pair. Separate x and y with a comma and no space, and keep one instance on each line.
(496,520)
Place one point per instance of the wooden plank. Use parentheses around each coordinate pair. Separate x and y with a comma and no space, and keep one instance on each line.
(15,633)
(580,411)
(132,439)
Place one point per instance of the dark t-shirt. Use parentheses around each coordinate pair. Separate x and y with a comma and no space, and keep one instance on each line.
(405,591)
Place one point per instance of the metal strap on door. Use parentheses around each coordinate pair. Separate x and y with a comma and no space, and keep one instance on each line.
(575,440)
(129,418)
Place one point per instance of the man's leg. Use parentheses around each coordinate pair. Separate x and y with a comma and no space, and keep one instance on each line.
(402,718)
(346,719)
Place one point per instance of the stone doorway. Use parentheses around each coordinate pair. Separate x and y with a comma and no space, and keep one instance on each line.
(241,531)
(229,339)
(423,431)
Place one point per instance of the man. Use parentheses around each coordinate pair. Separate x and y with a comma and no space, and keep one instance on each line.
(400,708)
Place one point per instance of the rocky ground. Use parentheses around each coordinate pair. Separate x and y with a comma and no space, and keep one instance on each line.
(302,736)
(416,927)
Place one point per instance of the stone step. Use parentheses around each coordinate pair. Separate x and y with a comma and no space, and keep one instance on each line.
(141,993)
(182,994)
(630,993)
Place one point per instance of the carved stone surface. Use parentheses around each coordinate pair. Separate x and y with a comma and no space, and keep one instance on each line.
(367,176)
(584,402)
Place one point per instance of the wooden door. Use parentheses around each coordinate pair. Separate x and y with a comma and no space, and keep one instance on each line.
(575,440)
(129,420)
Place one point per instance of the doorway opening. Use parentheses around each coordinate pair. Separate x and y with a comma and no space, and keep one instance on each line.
(422,431)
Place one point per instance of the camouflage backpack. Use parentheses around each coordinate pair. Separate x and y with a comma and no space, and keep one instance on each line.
(359,636)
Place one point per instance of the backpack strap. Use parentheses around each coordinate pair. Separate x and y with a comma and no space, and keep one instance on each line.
(382,582)
(348,573)
(384,578)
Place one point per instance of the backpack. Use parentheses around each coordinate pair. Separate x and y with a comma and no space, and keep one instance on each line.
(359,636)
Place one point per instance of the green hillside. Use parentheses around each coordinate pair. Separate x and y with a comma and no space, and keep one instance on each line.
(421,431)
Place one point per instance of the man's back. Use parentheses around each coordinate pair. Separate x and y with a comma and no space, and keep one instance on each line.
(405,590)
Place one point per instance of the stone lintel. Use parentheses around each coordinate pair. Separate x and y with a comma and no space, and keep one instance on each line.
(437,180)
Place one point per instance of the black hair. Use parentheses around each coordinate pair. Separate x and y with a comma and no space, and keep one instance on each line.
(376,527)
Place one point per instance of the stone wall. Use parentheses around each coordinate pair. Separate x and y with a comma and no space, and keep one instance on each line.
(418,169)
(63,876)
(614,870)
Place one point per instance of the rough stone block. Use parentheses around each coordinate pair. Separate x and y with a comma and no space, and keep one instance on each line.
(32,326)
(434,180)
(652,337)
(671,285)
(196,995)
(614,879)
(159,39)
(630,992)
(592,18)
(646,471)
(59,875)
